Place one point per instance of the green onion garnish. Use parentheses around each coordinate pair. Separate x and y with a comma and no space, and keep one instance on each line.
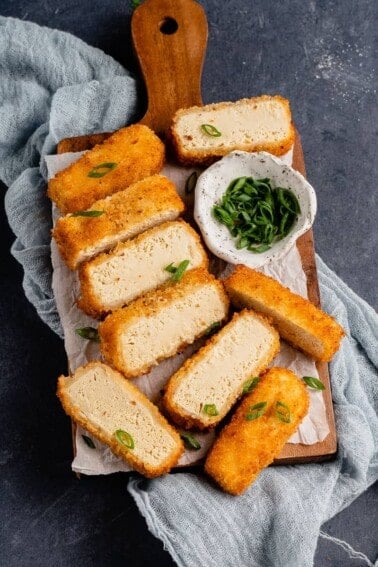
(177,272)
(256,214)
(210,130)
(190,183)
(255,411)
(88,441)
(125,438)
(313,383)
(250,385)
(210,409)
(213,328)
(190,441)
(283,412)
(102,169)
(89,333)
(87,214)
(135,4)
(170,268)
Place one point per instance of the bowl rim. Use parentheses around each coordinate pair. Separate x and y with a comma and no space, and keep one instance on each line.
(203,218)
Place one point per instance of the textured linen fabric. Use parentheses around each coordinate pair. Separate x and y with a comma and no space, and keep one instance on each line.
(276,522)
(52,85)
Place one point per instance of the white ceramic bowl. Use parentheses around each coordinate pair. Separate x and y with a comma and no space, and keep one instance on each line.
(212,184)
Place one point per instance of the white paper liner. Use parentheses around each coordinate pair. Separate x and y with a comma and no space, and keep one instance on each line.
(287,270)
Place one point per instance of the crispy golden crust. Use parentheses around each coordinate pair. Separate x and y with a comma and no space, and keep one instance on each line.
(136,150)
(89,300)
(75,413)
(148,305)
(291,314)
(126,211)
(188,421)
(81,143)
(243,447)
(191,157)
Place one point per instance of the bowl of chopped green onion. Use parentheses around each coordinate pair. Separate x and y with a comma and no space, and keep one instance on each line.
(252,207)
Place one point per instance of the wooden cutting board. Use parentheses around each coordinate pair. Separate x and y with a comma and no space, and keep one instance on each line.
(169,38)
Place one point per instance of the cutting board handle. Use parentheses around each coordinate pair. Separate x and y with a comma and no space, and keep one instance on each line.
(169,38)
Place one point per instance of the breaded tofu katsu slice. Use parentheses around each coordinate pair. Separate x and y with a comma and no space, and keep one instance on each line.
(125,214)
(201,134)
(118,414)
(208,384)
(162,322)
(127,156)
(257,432)
(298,321)
(112,280)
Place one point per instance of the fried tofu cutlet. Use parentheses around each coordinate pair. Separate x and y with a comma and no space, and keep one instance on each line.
(298,320)
(202,134)
(209,383)
(117,413)
(114,279)
(163,321)
(143,205)
(127,156)
(257,432)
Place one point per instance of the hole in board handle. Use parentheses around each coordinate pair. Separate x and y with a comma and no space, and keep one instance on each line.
(168,26)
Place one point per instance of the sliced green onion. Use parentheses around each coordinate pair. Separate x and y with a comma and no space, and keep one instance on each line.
(135,4)
(102,169)
(89,333)
(250,385)
(87,214)
(256,214)
(190,441)
(213,328)
(259,249)
(283,412)
(191,182)
(180,270)
(210,130)
(177,272)
(125,438)
(255,411)
(170,268)
(314,383)
(210,409)
(88,441)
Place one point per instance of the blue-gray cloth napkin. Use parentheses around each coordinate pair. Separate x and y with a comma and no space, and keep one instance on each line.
(52,85)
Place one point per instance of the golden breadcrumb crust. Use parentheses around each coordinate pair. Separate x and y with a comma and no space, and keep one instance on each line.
(188,421)
(252,289)
(89,301)
(192,157)
(124,210)
(110,330)
(243,447)
(136,150)
(117,448)
(81,143)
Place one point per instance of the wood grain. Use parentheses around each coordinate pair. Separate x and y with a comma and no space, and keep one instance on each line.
(169,38)
(171,63)
(298,453)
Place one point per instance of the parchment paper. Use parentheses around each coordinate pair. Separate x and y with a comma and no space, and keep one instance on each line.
(288,271)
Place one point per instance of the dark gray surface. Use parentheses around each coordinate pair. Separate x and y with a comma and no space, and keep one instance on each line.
(318,54)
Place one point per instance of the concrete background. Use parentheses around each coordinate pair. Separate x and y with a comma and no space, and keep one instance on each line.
(318,54)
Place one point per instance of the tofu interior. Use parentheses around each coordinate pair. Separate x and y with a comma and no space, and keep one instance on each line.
(140,266)
(146,339)
(241,123)
(218,376)
(111,406)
